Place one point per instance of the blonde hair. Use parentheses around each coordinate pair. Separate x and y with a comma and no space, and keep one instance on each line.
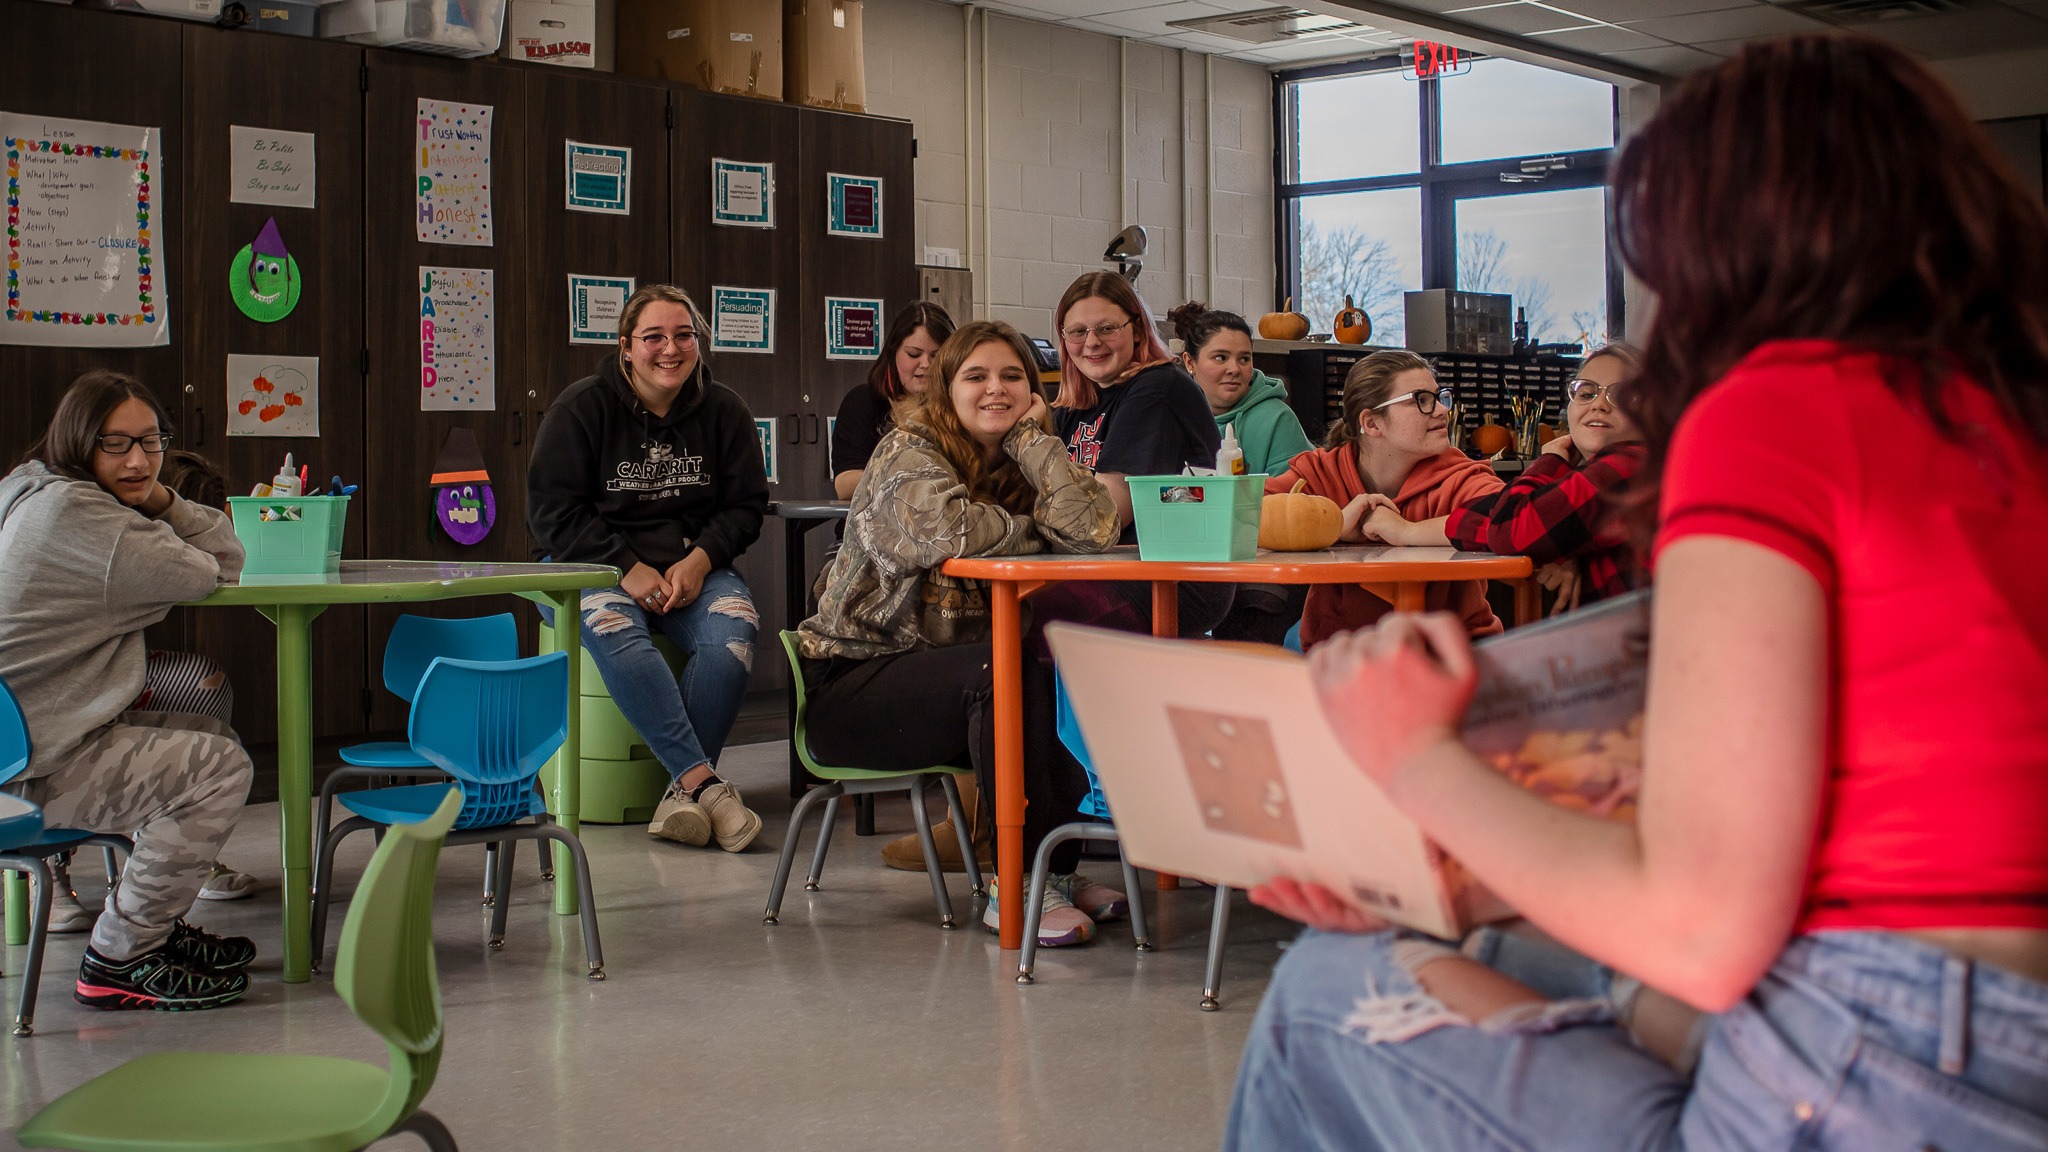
(1629,355)
(932,415)
(1369,384)
(629,319)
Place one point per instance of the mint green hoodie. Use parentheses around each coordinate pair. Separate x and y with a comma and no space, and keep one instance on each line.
(1267,429)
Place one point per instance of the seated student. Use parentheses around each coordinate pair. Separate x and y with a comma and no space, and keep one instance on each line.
(897,660)
(1389,463)
(1562,512)
(1216,349)
(94,549)
(1840,848)
(1126,409)
(653,467)
(864,414)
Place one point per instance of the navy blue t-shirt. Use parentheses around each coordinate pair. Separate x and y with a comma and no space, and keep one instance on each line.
(1150,425)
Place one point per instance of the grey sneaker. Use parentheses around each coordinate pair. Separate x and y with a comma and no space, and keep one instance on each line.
(67,912)
(732,821)
(680,819)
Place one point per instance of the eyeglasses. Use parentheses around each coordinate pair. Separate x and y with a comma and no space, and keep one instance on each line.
(116,444)
(656,341)
(1079,335)
(1587,391)
(1425,402)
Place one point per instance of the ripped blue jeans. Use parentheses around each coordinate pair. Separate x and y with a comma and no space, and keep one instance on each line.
(684,719)
(1852,1042)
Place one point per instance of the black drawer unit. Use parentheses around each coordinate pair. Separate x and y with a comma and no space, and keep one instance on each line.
(1484,385)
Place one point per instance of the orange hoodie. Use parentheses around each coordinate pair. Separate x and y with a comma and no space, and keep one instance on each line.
(1433,487)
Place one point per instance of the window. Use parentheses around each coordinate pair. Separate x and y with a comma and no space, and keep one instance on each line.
(1491,180)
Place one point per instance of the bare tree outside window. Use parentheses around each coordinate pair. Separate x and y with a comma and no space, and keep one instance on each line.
(1346,261)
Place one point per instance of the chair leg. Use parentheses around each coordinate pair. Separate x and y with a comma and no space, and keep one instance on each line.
(1212,973)
(931,853)
(500,857)
(430,1130)
(593,949)
(789,842)
(1141,938)
(490,873)
(1034,905)
(826,827)
(323,878)
(328,787)
(962,831)
(38,936)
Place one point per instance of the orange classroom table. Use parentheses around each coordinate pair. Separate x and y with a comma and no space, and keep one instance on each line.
(1397,575)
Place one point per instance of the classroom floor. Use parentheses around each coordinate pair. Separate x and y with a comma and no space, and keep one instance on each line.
(857,1023)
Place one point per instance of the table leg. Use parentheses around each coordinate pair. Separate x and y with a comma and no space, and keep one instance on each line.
(794,533)
(1008,652)
(1166,624)
(295,780)
(1528,601)
(565,800)
(1408,596)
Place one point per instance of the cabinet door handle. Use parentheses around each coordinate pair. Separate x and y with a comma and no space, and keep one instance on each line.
(795,427)
(810,428)
(518,427)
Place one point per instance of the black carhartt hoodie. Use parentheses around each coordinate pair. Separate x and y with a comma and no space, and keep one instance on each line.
(611,483)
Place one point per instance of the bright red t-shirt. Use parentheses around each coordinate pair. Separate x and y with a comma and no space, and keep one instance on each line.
(1933,552)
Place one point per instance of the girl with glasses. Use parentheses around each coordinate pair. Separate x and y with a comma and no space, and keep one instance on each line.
(94,548)
(1563,511)
(1390,465)
(897,374)
(654,468)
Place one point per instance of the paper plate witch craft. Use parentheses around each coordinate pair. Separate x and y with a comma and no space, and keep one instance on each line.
(463,501)
(264,279)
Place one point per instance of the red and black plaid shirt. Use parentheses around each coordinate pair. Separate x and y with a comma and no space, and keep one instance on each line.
(1554,512)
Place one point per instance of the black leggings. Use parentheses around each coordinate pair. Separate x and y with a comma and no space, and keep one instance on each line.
(916,709)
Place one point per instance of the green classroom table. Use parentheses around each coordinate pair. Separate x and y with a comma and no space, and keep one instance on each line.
(291,603)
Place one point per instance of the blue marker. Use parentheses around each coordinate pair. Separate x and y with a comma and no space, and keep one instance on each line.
(336,488)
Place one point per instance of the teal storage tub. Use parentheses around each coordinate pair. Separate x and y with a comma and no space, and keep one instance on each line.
(307,546)
(1197,517)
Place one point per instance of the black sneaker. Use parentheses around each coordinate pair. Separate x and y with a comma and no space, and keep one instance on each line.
(155,979)
(198,948)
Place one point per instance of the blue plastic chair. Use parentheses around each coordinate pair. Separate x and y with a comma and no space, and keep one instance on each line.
(1292,642)
(32,856)
(490,724)
(1096,804)
(414,643)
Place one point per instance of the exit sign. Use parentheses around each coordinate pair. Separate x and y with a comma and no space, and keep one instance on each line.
(1427,60)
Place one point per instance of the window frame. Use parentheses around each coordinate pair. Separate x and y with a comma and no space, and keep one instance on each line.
(1441,185)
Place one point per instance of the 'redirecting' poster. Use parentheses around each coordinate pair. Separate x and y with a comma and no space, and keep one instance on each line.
(84,251)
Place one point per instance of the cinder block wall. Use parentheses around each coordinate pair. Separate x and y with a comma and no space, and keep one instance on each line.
(1053,102)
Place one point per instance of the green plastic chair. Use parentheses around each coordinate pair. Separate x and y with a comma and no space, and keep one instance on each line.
(857,782)
(284,1103)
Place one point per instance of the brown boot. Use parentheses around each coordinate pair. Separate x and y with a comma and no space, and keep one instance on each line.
(905,854)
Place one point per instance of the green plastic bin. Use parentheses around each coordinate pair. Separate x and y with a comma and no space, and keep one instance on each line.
(1197,517)
(622,781)
(306,546)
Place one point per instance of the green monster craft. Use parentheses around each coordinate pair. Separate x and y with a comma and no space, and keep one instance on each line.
(264,279)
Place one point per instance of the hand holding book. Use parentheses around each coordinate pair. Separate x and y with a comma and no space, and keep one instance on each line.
(1396,689)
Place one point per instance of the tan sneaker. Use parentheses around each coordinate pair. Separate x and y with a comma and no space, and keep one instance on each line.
(680,819)
(731,820)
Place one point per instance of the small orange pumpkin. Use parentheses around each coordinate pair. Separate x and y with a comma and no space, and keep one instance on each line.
(1295,521)
(1286,324)
(1488,439)
(1351,325)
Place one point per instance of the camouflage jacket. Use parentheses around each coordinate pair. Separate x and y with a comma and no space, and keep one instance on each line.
(883,593)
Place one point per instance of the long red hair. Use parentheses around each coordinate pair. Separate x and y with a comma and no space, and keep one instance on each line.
(1829,186)
(1076,390)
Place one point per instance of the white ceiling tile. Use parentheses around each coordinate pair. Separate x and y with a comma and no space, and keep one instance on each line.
(1749,23)
(1671,60)
(1616,11)
(1602,38)
(1968,33)
(1521,18)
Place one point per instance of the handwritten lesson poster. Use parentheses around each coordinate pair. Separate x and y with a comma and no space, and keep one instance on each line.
(453,165)
(84,255)
(458,340)
(266,166)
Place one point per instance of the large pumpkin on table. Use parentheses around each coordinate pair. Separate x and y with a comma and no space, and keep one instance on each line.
(1295,521)
(1488,439)
(1285,324)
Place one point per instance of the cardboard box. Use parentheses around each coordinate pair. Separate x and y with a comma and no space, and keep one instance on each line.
(547,33)
(720,45)
(291,17)
(823,64)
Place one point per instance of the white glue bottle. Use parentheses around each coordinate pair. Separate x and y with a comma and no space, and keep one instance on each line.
(1230,458)
(286,482)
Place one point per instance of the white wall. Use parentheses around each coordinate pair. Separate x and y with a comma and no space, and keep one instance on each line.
(1053,191)
(2002,85)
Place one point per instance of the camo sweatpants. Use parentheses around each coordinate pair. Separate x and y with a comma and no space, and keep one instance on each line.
(175,783)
